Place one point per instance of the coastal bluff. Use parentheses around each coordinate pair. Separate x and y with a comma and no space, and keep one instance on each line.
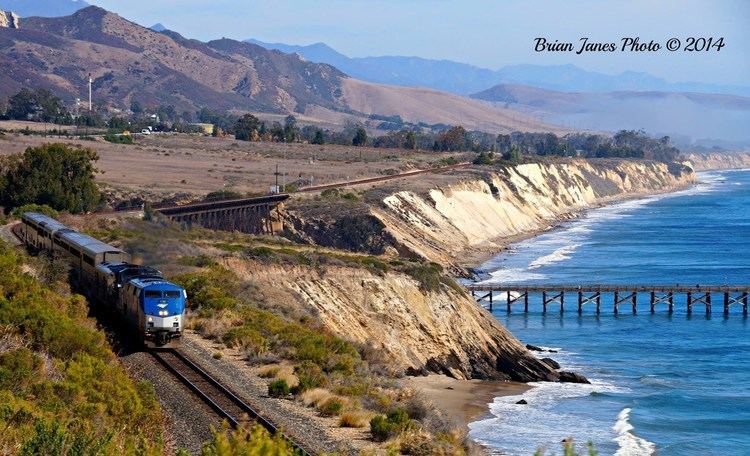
(443,218)
(476,215)
(413,331)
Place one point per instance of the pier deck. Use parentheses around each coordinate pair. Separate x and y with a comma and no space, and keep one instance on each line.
(621,296)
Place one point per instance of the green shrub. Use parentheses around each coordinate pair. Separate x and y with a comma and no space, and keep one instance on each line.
(484,158)
(199,261)
(40,208)
(278,388)
(380,428)
(18,368)
(394,423)
(310,376)
(253,441)
(208,289)
(333,406)
(428,275)
(119,139)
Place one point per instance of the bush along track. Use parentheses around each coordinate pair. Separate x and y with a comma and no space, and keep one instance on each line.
(61,389)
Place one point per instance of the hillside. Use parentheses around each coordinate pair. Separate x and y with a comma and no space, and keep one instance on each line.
(689,114)
(432,106)
(133,63)
(462,78)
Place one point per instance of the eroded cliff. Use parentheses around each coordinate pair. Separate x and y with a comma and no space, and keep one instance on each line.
(705,162)
(455,219)
(414,330)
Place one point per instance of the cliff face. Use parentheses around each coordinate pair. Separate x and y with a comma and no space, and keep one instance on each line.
(483,212)
(442,331)
(705,162)
(9,19)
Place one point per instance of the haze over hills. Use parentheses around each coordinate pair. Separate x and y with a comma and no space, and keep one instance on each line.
(44,8)
(679,114)
(464,79)
(132,63)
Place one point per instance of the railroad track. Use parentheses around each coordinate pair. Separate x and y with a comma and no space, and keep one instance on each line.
(217,396)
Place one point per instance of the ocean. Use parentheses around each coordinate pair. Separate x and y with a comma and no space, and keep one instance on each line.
(661,384)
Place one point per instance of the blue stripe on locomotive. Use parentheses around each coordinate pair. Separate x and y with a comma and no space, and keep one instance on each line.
(162,299)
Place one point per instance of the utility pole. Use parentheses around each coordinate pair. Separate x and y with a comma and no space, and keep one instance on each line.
(91,81)
(277,174)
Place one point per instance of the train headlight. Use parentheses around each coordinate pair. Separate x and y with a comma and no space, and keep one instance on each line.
(150,319)
(163,313)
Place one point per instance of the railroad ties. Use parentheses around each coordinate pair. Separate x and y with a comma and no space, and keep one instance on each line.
(621,297)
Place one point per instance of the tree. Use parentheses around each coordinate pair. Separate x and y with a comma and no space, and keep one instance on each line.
(484,158)
(410,140)
(318,138)
(136,107)
(513,154)
(360,137)
(246,128)
(452,140)
(39,105)
(291,132)
(53,174)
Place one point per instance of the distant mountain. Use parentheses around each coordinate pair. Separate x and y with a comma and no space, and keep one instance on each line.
(464,79)
(132,63)
(444,75)
(158,27)
(44,8)
(59,53)
(680,114)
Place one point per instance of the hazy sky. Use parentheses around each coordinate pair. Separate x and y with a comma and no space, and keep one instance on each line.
(481,32)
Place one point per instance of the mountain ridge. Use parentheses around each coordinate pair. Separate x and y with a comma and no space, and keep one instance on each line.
(131,63)
(465,79)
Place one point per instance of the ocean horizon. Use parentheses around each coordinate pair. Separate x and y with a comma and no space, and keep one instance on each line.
(667,384)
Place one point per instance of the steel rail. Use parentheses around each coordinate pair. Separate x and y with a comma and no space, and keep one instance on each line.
(234,421)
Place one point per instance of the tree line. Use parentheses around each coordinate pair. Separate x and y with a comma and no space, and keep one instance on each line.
(42,105)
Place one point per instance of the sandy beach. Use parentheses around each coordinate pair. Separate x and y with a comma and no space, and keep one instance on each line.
(463,400)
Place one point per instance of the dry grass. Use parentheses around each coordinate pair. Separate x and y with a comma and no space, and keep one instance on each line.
(315,397)
(355,419)
(269,371)
(176,164)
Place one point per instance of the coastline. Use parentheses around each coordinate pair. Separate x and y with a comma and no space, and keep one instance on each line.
(463,401)
(477,258)
(467,401)
(474,257)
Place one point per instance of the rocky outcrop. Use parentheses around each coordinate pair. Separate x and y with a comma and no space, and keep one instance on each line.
(9,19)
(417,332)
(481,212)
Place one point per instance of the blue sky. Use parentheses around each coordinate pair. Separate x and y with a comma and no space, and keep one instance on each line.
(481,32)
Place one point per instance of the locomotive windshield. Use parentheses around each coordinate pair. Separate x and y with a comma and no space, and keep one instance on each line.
(153,294)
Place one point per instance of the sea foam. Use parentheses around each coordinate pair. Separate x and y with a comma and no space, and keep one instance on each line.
(630,444)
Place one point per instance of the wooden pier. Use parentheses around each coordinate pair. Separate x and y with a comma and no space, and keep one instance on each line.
(620,296)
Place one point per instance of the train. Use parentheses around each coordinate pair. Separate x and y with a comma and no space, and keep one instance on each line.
(150,305)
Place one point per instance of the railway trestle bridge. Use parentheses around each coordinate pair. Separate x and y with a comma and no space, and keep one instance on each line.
(247,215)
(619,296)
